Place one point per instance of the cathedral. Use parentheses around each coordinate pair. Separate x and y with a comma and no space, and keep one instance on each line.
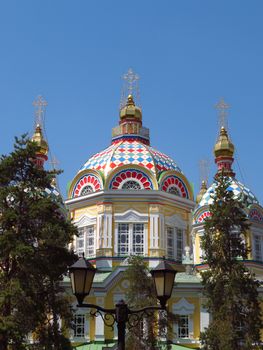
(132,199)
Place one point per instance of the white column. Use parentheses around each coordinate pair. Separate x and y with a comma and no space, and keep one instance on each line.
(204,319)
(154,239)
(99,231)
(107,232)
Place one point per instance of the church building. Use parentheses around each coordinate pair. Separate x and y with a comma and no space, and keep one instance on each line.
(132,199)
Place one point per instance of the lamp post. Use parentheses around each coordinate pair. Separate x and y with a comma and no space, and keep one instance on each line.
(82,274)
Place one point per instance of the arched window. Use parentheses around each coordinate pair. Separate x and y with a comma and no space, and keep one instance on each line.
(86,190)
(131,185)
(174,190)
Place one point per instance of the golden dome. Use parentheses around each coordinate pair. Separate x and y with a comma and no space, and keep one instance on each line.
(224,147)
(40,141)
(130,110)
(202,192)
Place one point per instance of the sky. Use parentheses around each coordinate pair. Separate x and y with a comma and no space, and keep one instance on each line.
(188,55)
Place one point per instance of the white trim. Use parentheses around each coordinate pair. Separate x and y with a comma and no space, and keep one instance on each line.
(130,216)
(85,221)
(183,307)
(175,221)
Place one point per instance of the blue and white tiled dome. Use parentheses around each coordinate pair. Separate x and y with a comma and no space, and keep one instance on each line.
(240,192)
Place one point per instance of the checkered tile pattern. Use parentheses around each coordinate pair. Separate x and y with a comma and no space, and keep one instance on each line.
(130,152)
(162,161)
(238,189)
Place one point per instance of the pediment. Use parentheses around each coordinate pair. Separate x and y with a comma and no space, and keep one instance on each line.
(183,307)
(85,221)
(131,216)
(175,221)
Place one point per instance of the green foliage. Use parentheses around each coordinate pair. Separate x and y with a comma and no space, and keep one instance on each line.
(34,235)
(141,293)
(230,288)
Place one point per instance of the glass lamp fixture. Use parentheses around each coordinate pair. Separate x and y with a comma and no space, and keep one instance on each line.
(163,276)
(81,275)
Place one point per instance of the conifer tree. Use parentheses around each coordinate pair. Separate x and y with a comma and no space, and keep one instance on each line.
(141,293)
(231,290)
(34,235)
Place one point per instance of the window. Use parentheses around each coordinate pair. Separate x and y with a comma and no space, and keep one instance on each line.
(86,190)
(257,248)
(131,185)
(183,326)
(130,239)
(79,326)
(174,243)
(85,242)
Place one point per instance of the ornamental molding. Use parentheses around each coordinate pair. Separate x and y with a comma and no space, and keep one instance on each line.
(183,307)
(85,221)
(175,221)
(131,216)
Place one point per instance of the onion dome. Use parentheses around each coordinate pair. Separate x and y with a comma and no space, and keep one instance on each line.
(130,110)
(40,141)
(224,151)
(202,192)
(130,163)
(41,155)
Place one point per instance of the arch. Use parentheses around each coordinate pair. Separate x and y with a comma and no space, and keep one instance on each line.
(86,182)
(175,183)
(255,213)
(131,178)
(201,214)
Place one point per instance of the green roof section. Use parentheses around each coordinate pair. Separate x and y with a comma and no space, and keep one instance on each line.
(94,346)
(182,277)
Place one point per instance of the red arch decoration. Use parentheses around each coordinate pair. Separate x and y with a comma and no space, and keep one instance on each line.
(90,180)
(174,184)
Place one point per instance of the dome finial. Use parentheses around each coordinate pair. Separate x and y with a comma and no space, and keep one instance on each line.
(224,148)
(130,87)
(202,191)
(40,108)
(222,108)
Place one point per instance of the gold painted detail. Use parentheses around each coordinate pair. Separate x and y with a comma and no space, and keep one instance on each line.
(224,147)
(202,192)
(40,141)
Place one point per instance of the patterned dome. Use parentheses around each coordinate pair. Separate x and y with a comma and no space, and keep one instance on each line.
(130,163)
(130,152)
(239,190)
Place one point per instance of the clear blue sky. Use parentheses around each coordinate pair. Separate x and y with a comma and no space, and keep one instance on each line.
(187,53)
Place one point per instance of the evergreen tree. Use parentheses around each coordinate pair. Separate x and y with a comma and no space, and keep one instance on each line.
(230,288)
(141,293)
(34,235)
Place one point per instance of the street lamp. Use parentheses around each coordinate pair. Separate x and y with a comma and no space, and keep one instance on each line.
(82,274)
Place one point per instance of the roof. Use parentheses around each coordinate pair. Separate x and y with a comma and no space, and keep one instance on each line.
(130,152)
(240,192)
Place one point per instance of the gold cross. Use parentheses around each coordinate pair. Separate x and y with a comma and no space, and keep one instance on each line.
(222,108)
(40,107)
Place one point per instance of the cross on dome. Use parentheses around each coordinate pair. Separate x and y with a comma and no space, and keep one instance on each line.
(222,108)
(40,108)
(130,87)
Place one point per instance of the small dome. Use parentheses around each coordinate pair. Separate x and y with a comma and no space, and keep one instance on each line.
(130,110)
(40,141)
(202,192)
(224,147)
(240,192)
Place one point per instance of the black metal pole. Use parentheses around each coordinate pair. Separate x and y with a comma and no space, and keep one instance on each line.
(121,319)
